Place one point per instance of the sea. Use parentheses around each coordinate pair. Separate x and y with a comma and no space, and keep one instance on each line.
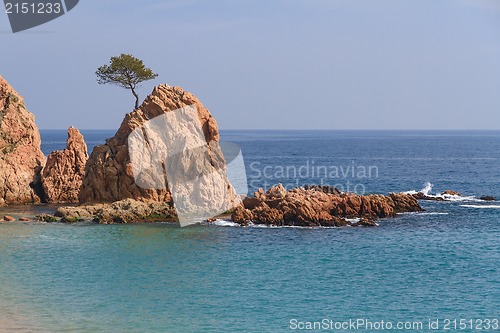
(433,271)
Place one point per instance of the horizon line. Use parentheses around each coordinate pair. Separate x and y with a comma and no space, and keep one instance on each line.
(306,129)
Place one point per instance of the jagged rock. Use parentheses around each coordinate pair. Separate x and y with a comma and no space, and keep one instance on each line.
(317,207)
(405,203)
(8,218)
(364,223)
(276,192)
(123,211)
(488,198)
(109,173)
(21,158)
(252,202)
(63,173)
(242,216)
(422,196)
(323,188)
(450,192)
(267,215)
(260,195)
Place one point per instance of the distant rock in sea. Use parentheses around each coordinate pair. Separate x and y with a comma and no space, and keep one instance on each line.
(316,207)
(21,158)
(64,171)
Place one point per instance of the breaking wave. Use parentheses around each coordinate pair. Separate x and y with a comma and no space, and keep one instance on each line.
(226,223)
(447,197)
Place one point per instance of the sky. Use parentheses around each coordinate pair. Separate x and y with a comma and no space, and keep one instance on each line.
(270,64)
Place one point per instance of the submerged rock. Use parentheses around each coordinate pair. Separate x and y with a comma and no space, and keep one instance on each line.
(21,158)
(316,207)
(488,198)
(63,173)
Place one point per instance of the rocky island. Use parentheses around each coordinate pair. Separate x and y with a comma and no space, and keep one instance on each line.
(320,206)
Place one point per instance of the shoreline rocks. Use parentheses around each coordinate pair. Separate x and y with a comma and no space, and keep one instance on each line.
(316,207)
(123,211)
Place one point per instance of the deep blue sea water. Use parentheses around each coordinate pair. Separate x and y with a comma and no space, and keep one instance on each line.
(440,264)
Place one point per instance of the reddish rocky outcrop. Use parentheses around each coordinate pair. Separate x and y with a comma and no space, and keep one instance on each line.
(451,192)
(423,196)
(109,173)
(64,171)
(316,207)
(21,158)
(444,196)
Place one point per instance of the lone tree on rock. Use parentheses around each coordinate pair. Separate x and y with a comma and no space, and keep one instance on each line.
(125,71)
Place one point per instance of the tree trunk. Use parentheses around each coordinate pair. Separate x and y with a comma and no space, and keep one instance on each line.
(136,97)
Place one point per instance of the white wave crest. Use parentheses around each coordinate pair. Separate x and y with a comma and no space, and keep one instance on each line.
(426,190)
(225,223)
(482,206)
(447,197)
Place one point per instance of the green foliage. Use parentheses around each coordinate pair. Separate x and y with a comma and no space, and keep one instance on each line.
(8,149)
(71,219)
(125,71)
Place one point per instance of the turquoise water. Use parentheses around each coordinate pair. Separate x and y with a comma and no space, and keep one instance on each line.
(441,264)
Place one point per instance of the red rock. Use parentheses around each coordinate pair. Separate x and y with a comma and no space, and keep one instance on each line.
(316,207)
(251,203)
(8,218)
(108,175)
(422,196)
(364,223)
(450,192)
(21,158)
(242,216)
(276,192)
(24,219)
(63,173)
(267,215)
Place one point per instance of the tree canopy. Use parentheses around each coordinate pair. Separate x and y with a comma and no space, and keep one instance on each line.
(125,71)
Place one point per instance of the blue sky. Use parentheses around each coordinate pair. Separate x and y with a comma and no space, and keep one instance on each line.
(271,64)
